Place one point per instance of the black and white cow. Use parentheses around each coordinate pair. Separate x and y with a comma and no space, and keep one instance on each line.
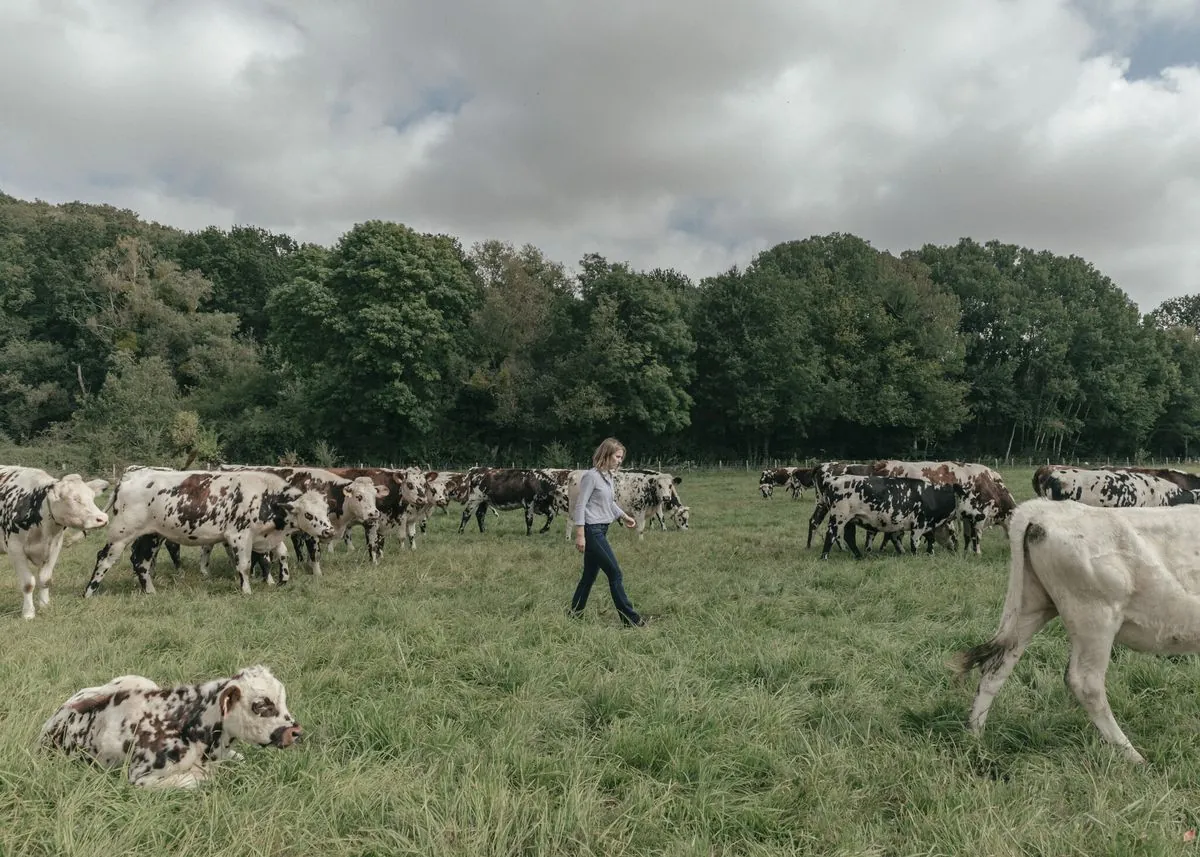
(169,737)
(986,499)
(890,504)
(36,510)
(509,488)
(642,494)
(1105,488)
(350,501)
(197,507)
(821,476)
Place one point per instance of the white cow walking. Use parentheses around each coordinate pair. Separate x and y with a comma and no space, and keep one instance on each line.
(1128,575)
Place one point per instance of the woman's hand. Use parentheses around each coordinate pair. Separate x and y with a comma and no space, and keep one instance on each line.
(580,543)
(629,522)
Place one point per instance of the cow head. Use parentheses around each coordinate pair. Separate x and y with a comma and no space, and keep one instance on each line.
(254,709)
(664,488)
(361,494)
(411,482)
(766,489)
(73,503)
(309,512)
(682,515)
(946,536)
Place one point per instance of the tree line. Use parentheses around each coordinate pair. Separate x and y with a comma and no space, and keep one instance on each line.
(124,340)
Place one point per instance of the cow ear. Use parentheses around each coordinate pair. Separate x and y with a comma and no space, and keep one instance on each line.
(678,479)
(431,475)
(381,491)
(97,485)
(228,698)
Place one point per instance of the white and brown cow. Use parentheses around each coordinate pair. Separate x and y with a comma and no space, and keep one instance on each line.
(891,504)
(36,510)
(793,479)
(509,488)
(1124,575)
(169,737)
(986,499)
(350,501)
(1105,488)
(198,507)
(404,494)
(642,494)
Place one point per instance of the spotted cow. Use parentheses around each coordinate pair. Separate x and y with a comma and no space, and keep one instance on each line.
(986,499)
(891,504)
(403,496)
(1105,488)
(794,479)
(350,501)
(169,737)
(821,476)
(198,507)
(36,510)
(506,489)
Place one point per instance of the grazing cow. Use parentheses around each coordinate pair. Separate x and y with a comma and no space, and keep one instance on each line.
(350,501)
(36,510)
(403,493)
(821,475)
(641,493)
(891,504)
(199,507)
(986,499)
(1105,488)
(1126,575)
(170,736)
(506,489)
(794,479)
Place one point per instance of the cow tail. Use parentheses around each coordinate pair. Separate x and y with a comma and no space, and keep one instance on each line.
(988,655)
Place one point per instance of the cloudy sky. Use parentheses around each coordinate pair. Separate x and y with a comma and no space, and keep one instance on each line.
(678,133)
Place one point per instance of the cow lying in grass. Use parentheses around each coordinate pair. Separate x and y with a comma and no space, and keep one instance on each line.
(170,735)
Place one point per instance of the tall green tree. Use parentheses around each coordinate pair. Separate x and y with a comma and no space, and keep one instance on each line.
(378,335)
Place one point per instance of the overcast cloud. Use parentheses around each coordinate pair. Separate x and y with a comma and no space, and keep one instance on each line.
(677,134)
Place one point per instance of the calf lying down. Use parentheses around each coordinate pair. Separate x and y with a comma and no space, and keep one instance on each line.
(170,735)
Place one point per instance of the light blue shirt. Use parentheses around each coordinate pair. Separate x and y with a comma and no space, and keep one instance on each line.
(595,503)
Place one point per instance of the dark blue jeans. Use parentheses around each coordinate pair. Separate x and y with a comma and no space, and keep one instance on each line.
(598,556)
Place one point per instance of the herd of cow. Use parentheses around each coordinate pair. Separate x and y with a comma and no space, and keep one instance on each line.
(1109,551)
(251,510)
(1103,549)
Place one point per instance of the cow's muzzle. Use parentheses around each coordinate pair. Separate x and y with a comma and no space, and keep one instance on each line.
(96,522)
(286,736)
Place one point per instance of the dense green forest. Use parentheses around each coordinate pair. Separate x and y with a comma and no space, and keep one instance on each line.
(123,340)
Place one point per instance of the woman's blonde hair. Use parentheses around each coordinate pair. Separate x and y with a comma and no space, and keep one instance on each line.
(603,456)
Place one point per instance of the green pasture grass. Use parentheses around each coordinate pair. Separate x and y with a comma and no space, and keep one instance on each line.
(777,704)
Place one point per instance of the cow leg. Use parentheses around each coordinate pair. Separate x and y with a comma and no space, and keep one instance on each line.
(998,660)
(314,555)
(374,541)
(410,532)
(24,570)
(106,558)
(46,573)
(243,551)
(141,554)
(1091,651)
(467,512)
(173,552)
(205,559)
(279,554)
(481,513)
(529,519)
(867,542)
(830,535)
(549,520)
(848,537)
(818,515)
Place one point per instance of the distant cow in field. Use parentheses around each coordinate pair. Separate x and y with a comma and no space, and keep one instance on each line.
(891,504)
(36,510)
(986,500)
(509,488)
(1114,575)
(794,479)
(169,737)
(403,496)
(194,507)
(1105,488)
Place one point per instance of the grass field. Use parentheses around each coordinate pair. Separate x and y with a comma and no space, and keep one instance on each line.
(777,705)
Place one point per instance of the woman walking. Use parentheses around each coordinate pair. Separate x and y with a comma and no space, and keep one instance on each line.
(595,509)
